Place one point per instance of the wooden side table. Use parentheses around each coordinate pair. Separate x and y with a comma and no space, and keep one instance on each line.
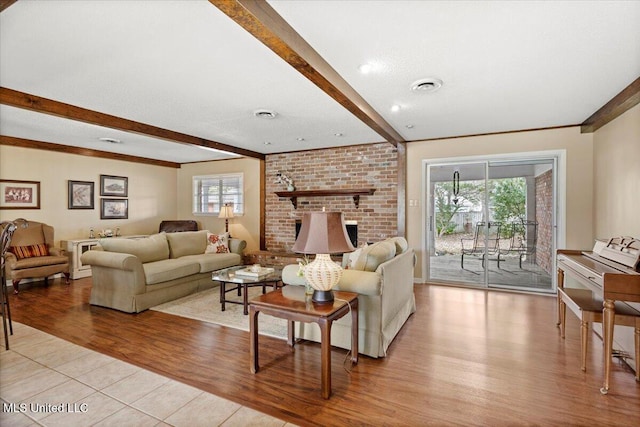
(295,307)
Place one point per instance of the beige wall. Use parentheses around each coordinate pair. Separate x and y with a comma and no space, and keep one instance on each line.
(152,191)
(617,176)
(579,175)
(246,227)
(155,193)
(616,148)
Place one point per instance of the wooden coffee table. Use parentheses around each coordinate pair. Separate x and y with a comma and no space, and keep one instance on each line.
(242,284)
(295,307)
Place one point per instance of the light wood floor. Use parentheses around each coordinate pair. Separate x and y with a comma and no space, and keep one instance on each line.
(466,357)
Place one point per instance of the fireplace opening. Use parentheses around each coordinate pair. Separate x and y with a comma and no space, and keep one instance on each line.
(351,226)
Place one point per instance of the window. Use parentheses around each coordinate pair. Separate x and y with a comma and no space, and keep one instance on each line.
(210,192)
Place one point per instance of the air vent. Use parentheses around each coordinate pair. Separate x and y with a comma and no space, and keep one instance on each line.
(426,85)
(265,114)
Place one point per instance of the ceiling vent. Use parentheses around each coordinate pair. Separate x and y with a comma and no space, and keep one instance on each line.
(427,85)
(265,114)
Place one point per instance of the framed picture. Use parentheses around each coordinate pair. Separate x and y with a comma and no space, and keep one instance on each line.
(81,195)
(19,194)
(114,208)
(114,185)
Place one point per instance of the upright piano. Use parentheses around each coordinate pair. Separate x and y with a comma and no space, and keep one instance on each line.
(612,271)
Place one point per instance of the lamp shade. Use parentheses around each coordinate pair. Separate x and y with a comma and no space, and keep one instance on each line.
(226,211)
(323,233)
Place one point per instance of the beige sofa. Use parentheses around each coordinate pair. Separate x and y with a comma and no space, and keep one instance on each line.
(133,275)
(382,275)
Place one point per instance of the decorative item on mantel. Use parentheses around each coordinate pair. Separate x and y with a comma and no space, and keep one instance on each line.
(282,178)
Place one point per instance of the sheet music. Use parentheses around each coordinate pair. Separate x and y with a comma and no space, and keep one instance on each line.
(624,250)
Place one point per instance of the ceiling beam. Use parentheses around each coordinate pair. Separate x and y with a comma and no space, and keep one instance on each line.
(5,4)
(67,149)
(265,24)
(35,103)
(625,100)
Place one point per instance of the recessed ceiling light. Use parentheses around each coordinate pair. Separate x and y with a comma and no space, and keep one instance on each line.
(300,139)
(267,143)
(110,140)
(427,85)
(338,134)
(265,114)
(395,108)
(373,66)
(409,126)
(365,68)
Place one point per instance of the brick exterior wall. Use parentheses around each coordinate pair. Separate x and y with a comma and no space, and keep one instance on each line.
(355,167)
(544,216)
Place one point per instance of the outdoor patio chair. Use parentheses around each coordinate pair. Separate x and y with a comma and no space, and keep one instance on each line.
(476,246)
(523,240)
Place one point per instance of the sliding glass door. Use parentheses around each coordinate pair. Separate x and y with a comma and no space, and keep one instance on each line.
(491,223)
(456,222)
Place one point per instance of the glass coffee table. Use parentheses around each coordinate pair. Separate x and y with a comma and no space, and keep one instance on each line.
(231,281)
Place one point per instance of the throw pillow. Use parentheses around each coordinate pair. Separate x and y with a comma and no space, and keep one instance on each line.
(353,257)
(217,243)
(374,255)
(30,251)
(401,244)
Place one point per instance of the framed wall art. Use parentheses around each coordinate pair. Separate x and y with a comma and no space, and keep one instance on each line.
(114,185)
(19,194)
(81,195)
(114,208)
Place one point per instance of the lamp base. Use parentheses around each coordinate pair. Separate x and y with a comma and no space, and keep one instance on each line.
(322,297)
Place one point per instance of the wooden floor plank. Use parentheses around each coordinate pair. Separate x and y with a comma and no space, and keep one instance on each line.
(466,357)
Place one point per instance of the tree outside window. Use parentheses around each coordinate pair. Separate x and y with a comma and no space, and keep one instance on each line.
(507,200)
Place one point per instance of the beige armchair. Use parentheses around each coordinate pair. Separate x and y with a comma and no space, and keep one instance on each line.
(32,254)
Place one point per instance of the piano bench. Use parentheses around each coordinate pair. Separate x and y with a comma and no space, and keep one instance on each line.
(584,304)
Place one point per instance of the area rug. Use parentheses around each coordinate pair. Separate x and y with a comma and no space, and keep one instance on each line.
(205,306)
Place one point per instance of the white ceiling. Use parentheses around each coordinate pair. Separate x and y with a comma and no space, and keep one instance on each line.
(187,67)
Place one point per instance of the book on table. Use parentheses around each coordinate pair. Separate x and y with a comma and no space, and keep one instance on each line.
(255,274)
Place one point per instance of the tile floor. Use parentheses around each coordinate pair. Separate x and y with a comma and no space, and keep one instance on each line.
(47,381)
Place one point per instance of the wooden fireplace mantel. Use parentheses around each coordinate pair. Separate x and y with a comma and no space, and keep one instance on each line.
(355,193)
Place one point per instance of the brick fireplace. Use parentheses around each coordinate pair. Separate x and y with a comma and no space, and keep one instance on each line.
(372,166)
